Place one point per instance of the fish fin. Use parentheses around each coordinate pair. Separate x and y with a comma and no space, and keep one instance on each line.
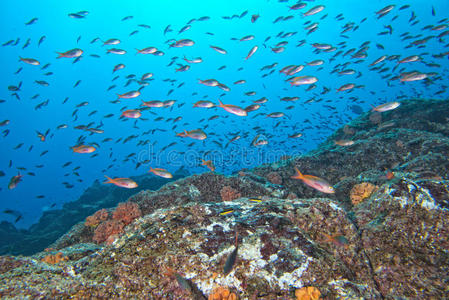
(60,54)
(110,180)
(220,103)
(298,174)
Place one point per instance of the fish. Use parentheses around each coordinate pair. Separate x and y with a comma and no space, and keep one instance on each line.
(387,106)
(230,261)
(314,10)
(252,51)
(254,18)
(337,239)
(161,172)
(209,164)
(233,109)
(14,181)
(301,80)
(314,182)
(30,61)
(132,113)
(83,149)
(344,143)
(256,200)
(122,182)
(4,122)
(116,51)
(226,212)
(129,95)
(185,284)
(32,21)
(196,134)
(147,50)
(74,53)
(219,50)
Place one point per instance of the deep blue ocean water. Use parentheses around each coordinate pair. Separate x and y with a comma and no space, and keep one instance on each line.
(316,114)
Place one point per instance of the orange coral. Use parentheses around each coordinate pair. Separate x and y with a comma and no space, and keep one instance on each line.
(308,293)
(361,191)
(221,293)
(97,218)
(228,193)
(126,212)
(274,178)
(54,259)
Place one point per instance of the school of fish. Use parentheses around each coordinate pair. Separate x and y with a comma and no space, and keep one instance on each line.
(307,107)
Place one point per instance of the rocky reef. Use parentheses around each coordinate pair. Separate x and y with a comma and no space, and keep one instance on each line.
(382,235)
(54,223)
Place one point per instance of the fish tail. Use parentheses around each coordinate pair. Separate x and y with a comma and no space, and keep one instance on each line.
(328,237)
(109,179)
(298,174)
(60,54)
(220,103)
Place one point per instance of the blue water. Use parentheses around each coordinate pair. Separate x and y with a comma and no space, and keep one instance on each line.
(316,115)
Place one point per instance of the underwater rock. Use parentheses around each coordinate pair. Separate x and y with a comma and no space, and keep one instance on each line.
(55,223)
(393,245)
(361,191)
(404,233)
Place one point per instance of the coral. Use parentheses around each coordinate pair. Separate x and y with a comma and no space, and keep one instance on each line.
(361,191)
(97,218)
(307,293)
(228,193)
(54,259)
(107,229)
(221,293)
(274,178)
(126,212)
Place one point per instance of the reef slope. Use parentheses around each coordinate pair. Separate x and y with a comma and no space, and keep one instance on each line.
(381,235)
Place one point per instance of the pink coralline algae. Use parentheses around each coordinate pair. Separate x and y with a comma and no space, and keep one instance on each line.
(97,218)
(228,193)
(106,230)
(109,229)
(126,212)
(274,178)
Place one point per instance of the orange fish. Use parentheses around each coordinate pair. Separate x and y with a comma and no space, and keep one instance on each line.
(122,182)
(83,149)
(129,95)
(337,239)
(233,109)
(209,164)
(196,134)
(132,113)
(315,182)
(14,181)
(161,172)
(41,136)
